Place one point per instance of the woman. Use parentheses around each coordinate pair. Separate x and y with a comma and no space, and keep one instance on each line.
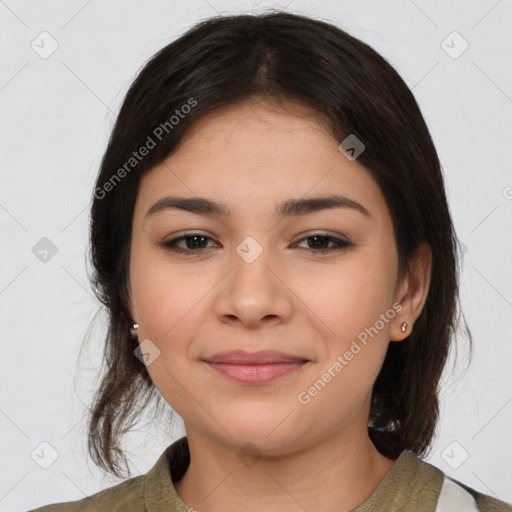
(271,238)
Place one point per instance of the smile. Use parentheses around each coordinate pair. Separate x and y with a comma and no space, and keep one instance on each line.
(256,373)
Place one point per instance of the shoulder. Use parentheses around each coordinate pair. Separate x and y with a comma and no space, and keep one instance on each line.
(153,490)
(484,503)
(415,484)
(128,496)
(454,495)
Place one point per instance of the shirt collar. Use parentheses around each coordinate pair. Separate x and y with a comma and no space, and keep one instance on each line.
(159,492)
(411,483)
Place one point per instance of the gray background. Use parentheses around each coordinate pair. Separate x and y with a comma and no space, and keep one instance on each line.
(56,114)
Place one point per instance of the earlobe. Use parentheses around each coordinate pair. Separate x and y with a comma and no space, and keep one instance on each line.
(413,292)
(401,328)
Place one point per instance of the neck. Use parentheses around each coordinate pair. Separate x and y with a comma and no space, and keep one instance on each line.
(335,474)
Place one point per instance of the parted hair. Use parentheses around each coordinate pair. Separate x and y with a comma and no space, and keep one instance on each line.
(281,57)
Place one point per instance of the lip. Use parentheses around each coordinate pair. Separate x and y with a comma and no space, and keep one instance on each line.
(256,373)
(255,367)
(260,357)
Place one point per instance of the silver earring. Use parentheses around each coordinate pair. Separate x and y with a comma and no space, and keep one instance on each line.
(404,327)
(133,331)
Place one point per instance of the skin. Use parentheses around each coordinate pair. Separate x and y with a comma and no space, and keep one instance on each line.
(318,455)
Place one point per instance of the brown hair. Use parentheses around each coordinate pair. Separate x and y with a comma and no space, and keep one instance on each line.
(279,56)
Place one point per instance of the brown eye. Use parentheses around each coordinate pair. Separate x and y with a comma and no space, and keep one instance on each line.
(320,243)
(197,243)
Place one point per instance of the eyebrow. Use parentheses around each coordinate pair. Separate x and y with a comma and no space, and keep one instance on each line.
(289,208)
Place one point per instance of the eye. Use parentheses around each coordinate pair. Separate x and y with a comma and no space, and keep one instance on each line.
(320,240)
(195,243)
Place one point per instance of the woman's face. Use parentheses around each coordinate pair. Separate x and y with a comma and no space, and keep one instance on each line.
(252,281)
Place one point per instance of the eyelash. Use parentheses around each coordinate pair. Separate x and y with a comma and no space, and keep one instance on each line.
(339,244)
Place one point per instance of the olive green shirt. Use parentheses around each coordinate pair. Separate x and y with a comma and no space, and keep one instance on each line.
(412,485)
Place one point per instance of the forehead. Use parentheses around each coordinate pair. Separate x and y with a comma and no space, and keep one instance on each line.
(254,155)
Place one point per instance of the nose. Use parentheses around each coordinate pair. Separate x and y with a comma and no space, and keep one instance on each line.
(254,293)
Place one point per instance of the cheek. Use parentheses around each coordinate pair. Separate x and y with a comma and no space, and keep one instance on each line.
(342,383)
(167,295)
(350,296)
(171,302)
(168,299)
(355,303)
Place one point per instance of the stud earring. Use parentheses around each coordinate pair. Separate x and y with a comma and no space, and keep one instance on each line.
(133,331)
(404,327)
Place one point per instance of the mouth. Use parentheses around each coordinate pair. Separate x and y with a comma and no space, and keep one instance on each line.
(255,367)
(256,373)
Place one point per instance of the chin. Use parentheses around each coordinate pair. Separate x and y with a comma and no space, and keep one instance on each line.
(271,438)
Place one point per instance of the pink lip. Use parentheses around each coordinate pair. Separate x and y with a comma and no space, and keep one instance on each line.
(256,373)
(255,367)
(259,357)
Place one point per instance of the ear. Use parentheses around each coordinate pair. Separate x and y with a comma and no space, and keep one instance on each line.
(412,291)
